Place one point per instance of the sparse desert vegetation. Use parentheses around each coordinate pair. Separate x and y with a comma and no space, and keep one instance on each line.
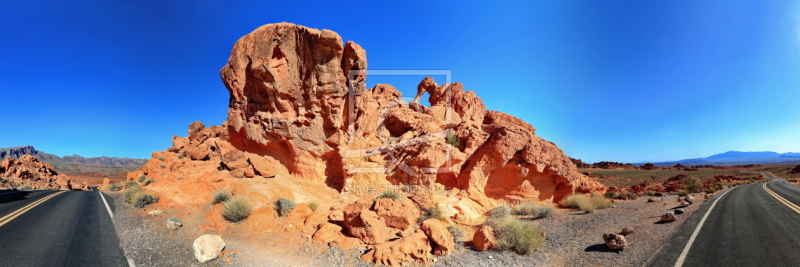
(283,206)
(586,203)
(236,209)
(220,195)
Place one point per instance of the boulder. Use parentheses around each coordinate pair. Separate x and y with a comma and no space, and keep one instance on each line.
(685,204)
(365,224)
(404,252)
(689,199)
(174,224)
(654,199)
(668,217)
(207,247)
(627,230)
(438,233)
(707,196)
(327,232)
(484,239)
(615,242)
(399,214)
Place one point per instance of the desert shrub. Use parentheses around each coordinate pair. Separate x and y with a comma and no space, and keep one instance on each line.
(2,181)
(612,194)
(533,209)
(452,140)
(659,194)
(500,211)
(390,195)
(25,187)
(160,158)
(586,204)
(683,193)
(180,156)
(148,181)
(141,178)
(313,206)
(131,184)
(717,186)
(219,196)
(708,190)
(283,206)
(144,199)
(114,187)
(517,235)
(629,194)
(220,168)
(180,178)
(458,236)
(162,166)
(433,212)
(130,194)
(692,184)
(236,209)
(649,193)
(751,180)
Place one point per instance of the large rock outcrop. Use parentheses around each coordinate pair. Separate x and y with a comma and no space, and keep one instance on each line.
(29,170)
(292,103)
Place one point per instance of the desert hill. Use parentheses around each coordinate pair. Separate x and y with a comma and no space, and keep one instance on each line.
(17,152)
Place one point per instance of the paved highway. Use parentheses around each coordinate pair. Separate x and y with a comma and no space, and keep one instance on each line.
(750,225)
(57,228)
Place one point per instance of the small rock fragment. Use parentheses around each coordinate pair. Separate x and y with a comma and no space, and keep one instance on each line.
(174,224)
(156,212)
(685,204)
(668,217)
(627,230)
(615,242)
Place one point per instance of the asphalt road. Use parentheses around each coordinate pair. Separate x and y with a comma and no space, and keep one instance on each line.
(748,226)
(72,228)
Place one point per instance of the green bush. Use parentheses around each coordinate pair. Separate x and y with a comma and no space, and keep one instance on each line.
(236,209)
(160,158)
(612,195)
(517,235)
(148,181)
(144,199)
(130,194)
(131,184)
(692,184)
(500,211)
(649,193)
(390,195)
(708,190)
(180,178)
(114,187)
(532,209)
(683,193)
(313,205)
(453,140)
(659,194)
(284,206)
(141,178)
(718,186)
(219,196)
(25,187)
(180,156)
(629,194)
(433,212)
(163,166)
(586,204)
(751,180)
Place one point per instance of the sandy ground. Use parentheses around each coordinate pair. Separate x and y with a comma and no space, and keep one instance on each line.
(573,239)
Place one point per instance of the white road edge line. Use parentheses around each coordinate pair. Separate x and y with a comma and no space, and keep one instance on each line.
(682,258)
(107,207)
(130,261)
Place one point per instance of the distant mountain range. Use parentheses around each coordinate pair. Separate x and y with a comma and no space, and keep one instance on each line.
(737,158)
(16,152)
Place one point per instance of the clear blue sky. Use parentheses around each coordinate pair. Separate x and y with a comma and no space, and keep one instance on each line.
(604,80)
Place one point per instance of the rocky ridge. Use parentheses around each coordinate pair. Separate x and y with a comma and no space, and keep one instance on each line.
(29,170)
(18,152)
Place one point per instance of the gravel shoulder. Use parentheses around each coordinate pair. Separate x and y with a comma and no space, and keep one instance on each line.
(573,239)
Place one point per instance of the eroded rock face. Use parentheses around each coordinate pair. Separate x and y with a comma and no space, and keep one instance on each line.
(484,239)
(437,232)
(292,102)
(404,252)
(29,170)
(399,214)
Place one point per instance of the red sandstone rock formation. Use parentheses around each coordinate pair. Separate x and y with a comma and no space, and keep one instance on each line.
(613,165)
(29,170)
(796,169)
(579,163)
(649,166)
(300,116)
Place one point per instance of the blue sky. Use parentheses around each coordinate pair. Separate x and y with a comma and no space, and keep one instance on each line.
(605,80)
